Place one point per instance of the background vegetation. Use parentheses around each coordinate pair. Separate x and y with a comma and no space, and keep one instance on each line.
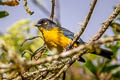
(15,65)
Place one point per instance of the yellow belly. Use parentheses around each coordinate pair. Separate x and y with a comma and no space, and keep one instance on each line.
(55,39)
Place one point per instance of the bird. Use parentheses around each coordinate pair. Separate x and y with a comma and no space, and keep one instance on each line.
(60,38)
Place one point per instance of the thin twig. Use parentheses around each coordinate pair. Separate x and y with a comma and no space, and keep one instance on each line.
(13,76)
(64,69)
(60,72)
(52,10)
(108,39)
(106,24)
(85,23)
(29,74)
(49,77)
(9,3)
(27,8)
(38,77)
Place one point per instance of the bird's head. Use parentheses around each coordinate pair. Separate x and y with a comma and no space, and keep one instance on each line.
(45,24)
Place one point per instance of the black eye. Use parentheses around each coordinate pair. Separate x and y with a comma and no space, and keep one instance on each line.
(42,22)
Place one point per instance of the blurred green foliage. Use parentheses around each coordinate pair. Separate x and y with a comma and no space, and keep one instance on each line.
(3,14)
(15,36)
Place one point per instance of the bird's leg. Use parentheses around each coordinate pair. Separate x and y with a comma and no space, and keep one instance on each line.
(40,51)
(64,75)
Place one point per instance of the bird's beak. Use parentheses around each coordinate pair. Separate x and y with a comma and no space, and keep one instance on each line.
(37,25)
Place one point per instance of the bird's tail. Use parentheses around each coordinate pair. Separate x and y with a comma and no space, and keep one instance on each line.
(105,53)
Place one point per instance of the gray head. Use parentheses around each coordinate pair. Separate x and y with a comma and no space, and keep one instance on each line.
(46,23)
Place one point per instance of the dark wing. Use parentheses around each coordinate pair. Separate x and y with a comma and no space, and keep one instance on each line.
(70,35)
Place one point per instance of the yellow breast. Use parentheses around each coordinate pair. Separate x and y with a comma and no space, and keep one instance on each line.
(55,38)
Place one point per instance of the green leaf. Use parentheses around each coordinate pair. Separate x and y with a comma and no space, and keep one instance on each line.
(91,66)
(115,48)
(115,27)
(110,68)
(3,14)
(116,75)
(118,18)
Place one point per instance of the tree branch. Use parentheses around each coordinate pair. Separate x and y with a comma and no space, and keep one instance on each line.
(52,10)
(74,51)
(85,23)
(27,8)
(105,26)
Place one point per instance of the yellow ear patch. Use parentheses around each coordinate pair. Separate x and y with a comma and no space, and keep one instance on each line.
(45,23)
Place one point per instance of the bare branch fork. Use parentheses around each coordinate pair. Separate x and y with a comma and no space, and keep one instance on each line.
(85,23)
(27,8)
(106,24)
